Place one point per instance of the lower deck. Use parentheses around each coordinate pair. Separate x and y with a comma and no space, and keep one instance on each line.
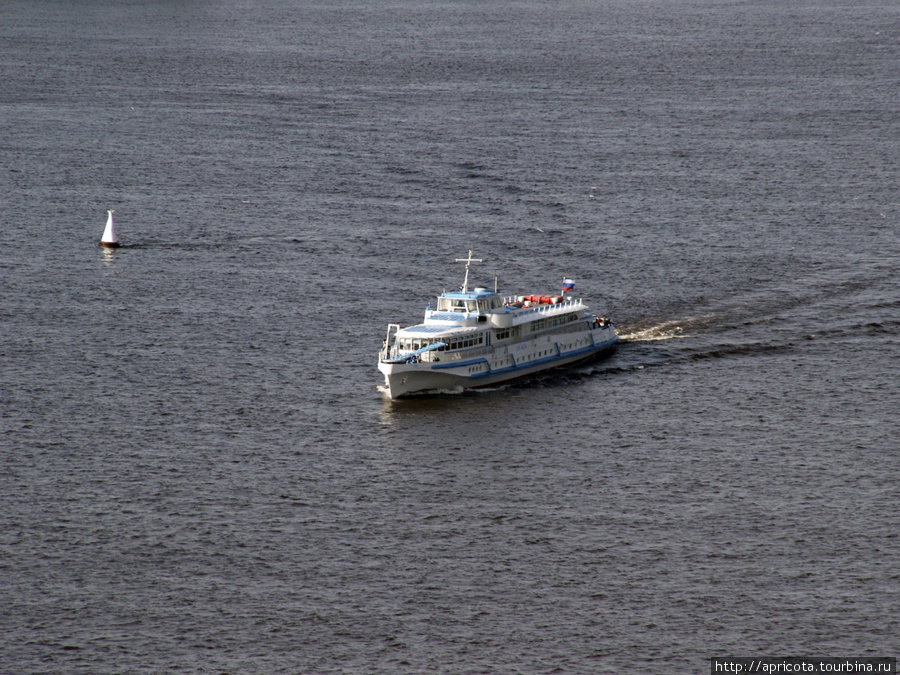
(429,344)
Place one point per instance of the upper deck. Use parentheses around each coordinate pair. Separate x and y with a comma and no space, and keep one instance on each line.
(462,312)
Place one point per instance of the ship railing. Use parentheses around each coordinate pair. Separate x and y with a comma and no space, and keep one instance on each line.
(401,356)
(544,308)
(414,356)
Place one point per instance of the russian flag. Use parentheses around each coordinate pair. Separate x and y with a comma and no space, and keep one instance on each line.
(568,285)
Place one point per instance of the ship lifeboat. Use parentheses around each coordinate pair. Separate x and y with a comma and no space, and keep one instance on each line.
(543,299)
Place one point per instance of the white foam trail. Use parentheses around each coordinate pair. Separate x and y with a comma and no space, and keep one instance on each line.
(668,330)
(672,330)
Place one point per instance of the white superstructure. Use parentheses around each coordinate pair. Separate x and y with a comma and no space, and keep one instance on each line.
(478,338)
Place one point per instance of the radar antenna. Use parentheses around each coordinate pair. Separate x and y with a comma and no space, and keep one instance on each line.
(468,261)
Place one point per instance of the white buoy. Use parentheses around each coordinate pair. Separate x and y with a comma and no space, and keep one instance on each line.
(109,235)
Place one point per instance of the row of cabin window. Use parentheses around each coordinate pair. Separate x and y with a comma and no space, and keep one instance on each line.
(479,339)
(552,321)
(452,344)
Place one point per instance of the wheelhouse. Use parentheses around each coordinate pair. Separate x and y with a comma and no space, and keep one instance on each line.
(481,301)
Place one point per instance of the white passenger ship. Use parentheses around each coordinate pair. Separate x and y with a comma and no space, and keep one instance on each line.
(478,338)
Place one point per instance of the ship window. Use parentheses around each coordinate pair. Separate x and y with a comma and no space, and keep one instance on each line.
(443,304)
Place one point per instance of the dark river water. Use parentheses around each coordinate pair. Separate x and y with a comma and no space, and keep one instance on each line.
(198,473)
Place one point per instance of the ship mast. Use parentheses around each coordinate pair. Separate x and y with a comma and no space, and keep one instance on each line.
(468,261)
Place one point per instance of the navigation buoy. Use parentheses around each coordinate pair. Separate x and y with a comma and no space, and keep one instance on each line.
(109,234)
